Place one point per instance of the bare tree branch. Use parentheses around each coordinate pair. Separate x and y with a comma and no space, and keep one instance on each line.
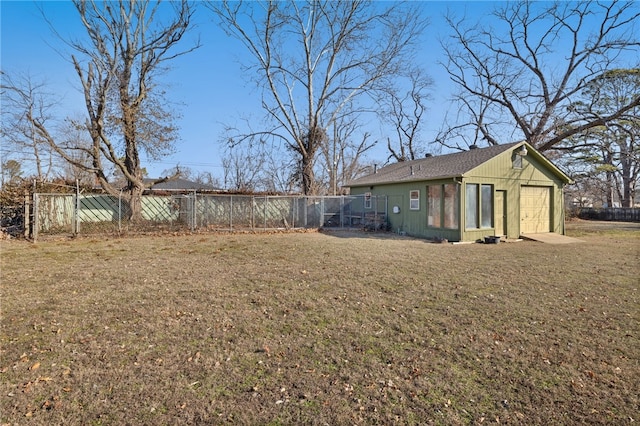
(404,108)
(27,105)
(313,60)
(532,60)
(118,64)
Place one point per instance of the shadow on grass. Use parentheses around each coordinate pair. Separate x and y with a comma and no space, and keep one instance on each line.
(574,227)
(371,235)
(597,225)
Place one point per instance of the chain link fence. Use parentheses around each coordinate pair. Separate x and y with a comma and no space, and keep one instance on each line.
(83,214)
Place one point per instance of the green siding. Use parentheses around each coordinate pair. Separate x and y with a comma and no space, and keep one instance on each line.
(498,172)
(411,222)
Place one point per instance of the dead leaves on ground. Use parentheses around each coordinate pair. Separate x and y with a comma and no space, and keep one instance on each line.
(37,386)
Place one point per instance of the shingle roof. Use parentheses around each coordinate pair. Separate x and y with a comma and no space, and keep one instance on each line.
(436,167)
(180,185)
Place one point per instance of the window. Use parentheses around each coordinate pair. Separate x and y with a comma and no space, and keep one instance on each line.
(443,206)
(433,207)
(414,200)
(471,215)
(451,206)
(367,200)
(479,208)
(486,205)
(517,161)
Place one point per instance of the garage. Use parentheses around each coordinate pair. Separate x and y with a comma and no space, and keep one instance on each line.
(535,209)
(502,190)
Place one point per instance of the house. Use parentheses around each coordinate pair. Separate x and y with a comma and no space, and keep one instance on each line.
(504,190)
(179,184)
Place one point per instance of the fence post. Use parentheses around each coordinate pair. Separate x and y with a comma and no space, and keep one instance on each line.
(305,212)
(386,211)
(231,212)
(26,219)
(294,210)
(205,212)
(76,212)
(194,212)
(35,216)
(120,212)
(375,214)
(252,219)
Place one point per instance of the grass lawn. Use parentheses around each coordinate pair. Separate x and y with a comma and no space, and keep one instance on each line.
(313,328)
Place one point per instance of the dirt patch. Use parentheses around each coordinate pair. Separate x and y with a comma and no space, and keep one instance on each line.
(320,329)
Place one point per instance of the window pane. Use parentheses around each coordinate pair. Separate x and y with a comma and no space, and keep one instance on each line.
(451,206)
(367,200)
(517,162)
(471,215)
(487,206)
(414,200)
(433,209)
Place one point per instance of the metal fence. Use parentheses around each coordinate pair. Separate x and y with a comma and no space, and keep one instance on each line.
(81,214)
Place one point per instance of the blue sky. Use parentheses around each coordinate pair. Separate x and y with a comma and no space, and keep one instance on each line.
(206,84)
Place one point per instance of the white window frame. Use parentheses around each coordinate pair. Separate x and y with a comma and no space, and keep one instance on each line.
(414,199)
(367,200)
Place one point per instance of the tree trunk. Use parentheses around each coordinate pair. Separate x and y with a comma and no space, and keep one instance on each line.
(308,176)
(134,200)
(627,185)
(610,190)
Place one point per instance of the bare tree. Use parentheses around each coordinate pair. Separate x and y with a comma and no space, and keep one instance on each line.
(342,157)
(26,102)
(243,170)
(72,135)
(179,171)
(10,172)
(470,125)
(207,178)
(127,47)
(532,59)
(280,175)
(588,189)
(404,109)
(313,60)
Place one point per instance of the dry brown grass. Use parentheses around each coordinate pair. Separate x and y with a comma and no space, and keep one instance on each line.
(320,329)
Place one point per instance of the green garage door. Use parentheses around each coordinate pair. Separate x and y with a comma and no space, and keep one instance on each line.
(535,209)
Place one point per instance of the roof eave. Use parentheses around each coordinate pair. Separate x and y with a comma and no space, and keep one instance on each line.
(390,182)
